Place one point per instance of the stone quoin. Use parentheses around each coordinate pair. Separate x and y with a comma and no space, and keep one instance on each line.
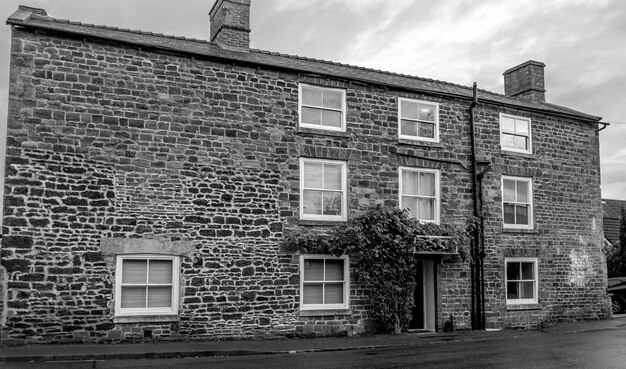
(151,179)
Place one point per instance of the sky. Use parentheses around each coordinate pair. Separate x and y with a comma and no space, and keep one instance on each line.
(582,43)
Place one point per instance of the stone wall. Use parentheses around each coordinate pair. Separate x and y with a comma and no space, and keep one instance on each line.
(111,141)
(567,233)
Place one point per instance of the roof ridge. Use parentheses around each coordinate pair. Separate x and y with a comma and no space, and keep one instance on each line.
(368,69)
(127,30)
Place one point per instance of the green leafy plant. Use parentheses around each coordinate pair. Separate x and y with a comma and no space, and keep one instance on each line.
(385,242)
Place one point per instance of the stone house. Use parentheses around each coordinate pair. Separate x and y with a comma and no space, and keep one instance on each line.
(151,179)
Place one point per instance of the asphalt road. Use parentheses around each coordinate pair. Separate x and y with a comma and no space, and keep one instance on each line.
(588,350)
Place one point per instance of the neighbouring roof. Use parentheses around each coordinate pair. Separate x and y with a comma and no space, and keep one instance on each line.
(611,218)
(38,19)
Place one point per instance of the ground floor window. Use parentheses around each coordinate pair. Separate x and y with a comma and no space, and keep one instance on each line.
(146,284)
(324,282)
(521,280)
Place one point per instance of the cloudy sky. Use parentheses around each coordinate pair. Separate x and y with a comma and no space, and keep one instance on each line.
(582,43)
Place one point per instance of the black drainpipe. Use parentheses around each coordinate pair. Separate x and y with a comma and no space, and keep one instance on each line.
(477,274)
(481,238)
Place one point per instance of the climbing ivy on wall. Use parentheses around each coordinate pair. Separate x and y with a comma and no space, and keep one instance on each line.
(384,241)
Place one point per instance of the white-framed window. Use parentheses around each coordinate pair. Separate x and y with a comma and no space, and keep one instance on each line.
(146,284)
(324,282)
(517,202)
(420,193)
(515,133)
(322,107)
(323,189)
(418,120)
(522,281)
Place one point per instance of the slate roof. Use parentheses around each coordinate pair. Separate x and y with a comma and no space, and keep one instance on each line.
(38,19)
(611,218)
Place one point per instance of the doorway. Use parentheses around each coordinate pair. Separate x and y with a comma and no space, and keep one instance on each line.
(424,309)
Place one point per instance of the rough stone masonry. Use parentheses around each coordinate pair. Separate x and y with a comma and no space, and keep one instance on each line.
(116,146)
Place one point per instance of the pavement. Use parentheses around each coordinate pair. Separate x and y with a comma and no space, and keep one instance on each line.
(154,350)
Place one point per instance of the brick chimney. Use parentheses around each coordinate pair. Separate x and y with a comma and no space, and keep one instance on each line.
(230,24)
(526,81)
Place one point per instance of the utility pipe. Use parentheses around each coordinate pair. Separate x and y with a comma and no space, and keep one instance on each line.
(477,254)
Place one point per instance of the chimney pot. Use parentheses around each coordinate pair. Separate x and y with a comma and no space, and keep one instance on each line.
(526,81)
(230,24)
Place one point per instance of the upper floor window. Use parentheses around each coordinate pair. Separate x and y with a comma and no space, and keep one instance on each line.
(146,284)
(517,202)
(322,107)
(418,120)
(323,189)
(419,193)
(521,280)
(324,282)
(515,133)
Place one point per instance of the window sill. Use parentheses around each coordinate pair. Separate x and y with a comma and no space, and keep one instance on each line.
(520,230)
(521,307)
(145,319)
(310,222)
(329,312)
(322,132)
(517,153)
(433,144)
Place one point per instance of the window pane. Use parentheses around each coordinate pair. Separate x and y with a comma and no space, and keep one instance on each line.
(512,271)
(333,99)
(312,202)
(160,271)
(521,127)
(507,124)
(528,270)
(312,294)
(312,175)
(333,293)
(426,184)
(409,110)
(331,203)
(409,182)
(512,290)
(332,177)
(311,116)
(331,118)
(520,143)
(311,96)
(334,270)
(134,271)
(427,112)
(411,204)
(159,296)
(508,192)
(408,128)
(313,269)
(522,191)
(527,290)
(426,130)
(133,297)
(521,214)
(508,141)
(426,209)
(509,214)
